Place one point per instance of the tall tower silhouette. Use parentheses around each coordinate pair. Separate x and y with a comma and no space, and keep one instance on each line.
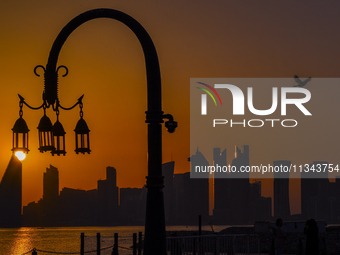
(51,183)
(240,187)
(50,197)
(168,173)
(196,191)
(108,198)
(314,192)
(281,191)
(222,188)
(11,195)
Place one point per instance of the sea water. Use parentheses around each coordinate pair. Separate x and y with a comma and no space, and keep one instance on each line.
(67,239)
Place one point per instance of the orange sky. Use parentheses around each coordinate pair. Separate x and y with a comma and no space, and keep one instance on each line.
(193,39)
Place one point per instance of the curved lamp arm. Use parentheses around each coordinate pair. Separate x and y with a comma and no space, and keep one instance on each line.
(151,58)
(155,238)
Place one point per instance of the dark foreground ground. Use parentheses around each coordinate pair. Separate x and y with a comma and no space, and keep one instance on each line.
(329,241)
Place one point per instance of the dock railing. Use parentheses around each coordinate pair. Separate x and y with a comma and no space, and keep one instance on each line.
(237,244)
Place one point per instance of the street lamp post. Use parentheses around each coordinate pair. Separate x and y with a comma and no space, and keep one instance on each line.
(154,241)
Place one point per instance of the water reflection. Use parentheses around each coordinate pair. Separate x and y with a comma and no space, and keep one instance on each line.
(17,241)
(67,239)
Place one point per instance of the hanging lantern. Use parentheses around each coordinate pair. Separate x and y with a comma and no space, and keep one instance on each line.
(58,139)
(82,137)
(20,136)
(45,134)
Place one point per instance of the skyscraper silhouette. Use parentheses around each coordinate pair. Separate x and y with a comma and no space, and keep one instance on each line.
(51,183)
(50,206)
(314,193)
(240,187)
(222,188)
(195,197)
(260,207)
(168,173)
(108,198)
(281,191)
(234,196)
(11,195)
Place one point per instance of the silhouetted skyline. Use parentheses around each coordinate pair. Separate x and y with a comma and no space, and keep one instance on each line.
(11,195)
(236,200)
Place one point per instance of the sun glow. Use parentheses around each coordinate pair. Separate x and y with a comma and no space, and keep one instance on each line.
(20,155)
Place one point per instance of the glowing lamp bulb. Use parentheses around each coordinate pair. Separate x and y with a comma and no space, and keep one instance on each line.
(20,155)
